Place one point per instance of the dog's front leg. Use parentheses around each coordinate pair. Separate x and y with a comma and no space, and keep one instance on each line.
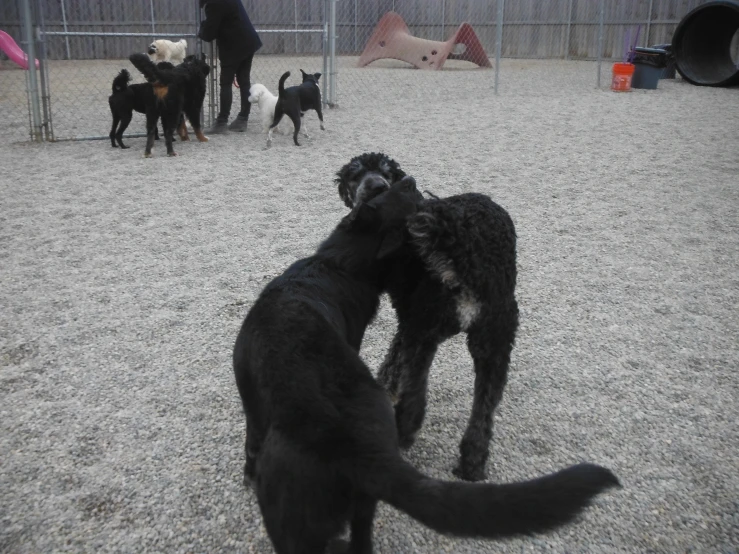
(415,361)
(151,129)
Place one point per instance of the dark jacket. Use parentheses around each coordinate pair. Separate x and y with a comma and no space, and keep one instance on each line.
(226,22)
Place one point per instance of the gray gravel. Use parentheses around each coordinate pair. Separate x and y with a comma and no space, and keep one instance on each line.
(124,282)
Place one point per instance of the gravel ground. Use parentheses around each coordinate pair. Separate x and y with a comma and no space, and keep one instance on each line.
(125,280)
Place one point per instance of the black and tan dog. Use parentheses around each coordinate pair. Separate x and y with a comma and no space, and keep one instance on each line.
(197,70)
(169,87)
(322,444)
(295,101)
(459,276)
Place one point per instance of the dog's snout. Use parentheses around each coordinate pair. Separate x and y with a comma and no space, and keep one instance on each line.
(375,183)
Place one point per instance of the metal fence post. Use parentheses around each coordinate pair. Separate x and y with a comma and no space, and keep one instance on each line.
(64,22)
(153,25)
(649,23)
(324,92)
(569,26)
(443,18)
(498,40)
(43,73)
(332,55)
(32,80)
(600,37)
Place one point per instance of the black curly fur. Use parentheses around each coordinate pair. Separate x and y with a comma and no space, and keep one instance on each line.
(460,275)
(349,177)
(321,442)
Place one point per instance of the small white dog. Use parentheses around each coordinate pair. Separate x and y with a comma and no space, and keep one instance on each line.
(167,51)
(258,94)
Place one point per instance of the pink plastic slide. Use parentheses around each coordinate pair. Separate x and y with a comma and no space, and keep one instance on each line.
(14,52)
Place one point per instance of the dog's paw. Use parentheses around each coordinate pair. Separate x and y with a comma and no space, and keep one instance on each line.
(185,139)
(322,127)
(171,154)
(203,138)
(147,154)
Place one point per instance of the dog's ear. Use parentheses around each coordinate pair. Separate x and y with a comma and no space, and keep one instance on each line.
(391,242)
(317,76)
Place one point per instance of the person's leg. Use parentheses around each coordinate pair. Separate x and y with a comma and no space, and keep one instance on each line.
(226,98)
(243,78)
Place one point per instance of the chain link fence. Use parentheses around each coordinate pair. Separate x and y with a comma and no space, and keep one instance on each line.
(82,45)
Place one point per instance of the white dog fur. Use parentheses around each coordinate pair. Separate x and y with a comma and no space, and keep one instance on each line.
(167,51)
(258,94)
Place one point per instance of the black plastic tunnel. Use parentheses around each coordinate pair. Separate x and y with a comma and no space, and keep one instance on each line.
(702,44)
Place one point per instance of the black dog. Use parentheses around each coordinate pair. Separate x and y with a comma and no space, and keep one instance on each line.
(197,70)
(295,101)
(459,276)
(123,102)
(168,87)
(321,436)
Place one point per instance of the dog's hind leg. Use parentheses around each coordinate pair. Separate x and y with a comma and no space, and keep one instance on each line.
(303,127)
(112,135)
(320,115)
(490,342)
(182,129)
(304,503)
(295,117)
(125,120)
(275,122)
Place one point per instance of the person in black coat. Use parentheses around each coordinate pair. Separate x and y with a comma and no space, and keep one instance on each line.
(227,23)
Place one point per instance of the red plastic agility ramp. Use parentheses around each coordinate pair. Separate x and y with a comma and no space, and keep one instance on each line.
(393,39)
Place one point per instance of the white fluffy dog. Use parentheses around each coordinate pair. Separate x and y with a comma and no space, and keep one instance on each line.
(167,51)
(258,94)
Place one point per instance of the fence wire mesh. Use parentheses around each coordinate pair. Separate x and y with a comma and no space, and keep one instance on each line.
(84,44)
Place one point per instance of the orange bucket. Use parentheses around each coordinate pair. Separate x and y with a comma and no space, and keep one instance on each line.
(622,74)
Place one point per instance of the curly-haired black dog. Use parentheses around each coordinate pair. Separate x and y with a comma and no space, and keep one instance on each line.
(124,100)
(321,440)
(460,275)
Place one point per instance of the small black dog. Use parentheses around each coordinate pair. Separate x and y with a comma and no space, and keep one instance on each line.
(459,275)
(295,101)
(321,437)
(168,87)
(197,70)
(123,102)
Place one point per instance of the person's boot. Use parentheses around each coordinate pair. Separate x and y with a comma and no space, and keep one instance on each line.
(239,124)
(219,128)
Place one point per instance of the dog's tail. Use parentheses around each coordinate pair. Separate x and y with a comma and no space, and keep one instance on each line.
(147,68)
(281,86)
(120,83)
(486,510)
